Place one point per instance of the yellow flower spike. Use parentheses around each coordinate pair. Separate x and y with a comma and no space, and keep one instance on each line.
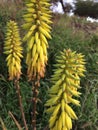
(66,82)
(13,50)
(38,20)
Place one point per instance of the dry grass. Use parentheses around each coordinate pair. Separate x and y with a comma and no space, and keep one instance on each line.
(10,1)
(79,26)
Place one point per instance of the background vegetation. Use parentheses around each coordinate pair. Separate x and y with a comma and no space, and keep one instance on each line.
(82,8)
(86,8)
(68,32)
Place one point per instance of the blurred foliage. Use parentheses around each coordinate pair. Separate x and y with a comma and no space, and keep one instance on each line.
(86,8)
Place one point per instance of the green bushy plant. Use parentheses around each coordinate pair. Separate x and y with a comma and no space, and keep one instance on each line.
(86,8)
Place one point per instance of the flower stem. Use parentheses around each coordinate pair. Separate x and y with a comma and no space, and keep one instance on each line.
(16,82)
(34,103)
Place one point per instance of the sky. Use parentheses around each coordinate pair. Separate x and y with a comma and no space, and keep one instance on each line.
(58,7)
(69,1)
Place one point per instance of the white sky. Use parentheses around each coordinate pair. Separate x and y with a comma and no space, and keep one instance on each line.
(69,1)
(58,7)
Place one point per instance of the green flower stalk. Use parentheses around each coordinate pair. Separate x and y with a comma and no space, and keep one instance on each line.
(13,50)
(66,82)
(38,20)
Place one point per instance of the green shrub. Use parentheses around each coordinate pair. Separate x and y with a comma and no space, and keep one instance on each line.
(86,8)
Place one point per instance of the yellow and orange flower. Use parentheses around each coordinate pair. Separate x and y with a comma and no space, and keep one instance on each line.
(38,20)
